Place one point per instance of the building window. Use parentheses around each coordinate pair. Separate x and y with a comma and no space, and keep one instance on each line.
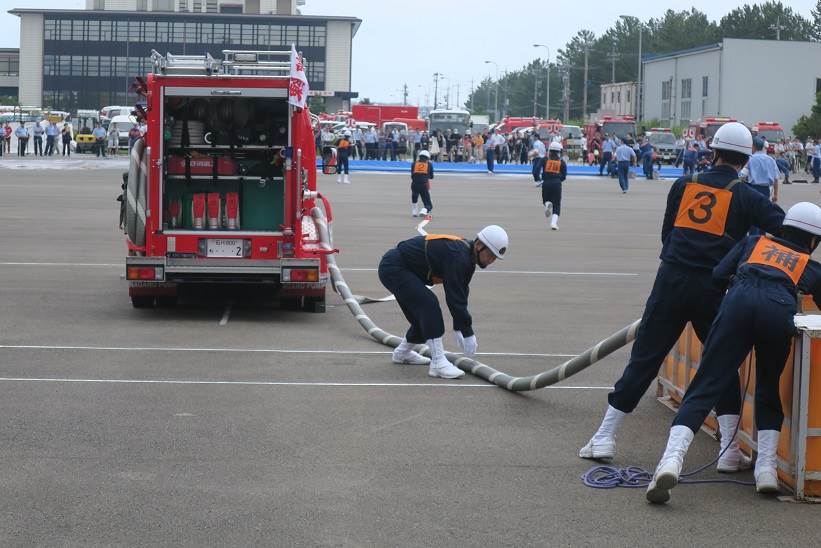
(99,5)
(182,5)
(705,86)
(9,66)
(618,97)
(230,8)
(666,92)
(686,88)
(197,6)
(628,95)
(603,97)
(163,5)
(211,6)
(685,112)
(142,5)
(818,85)
(704,107)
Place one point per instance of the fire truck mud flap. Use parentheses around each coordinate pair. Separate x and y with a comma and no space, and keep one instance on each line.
(135,194)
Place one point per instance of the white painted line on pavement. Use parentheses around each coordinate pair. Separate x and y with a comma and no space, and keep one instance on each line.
(281,383)
(525,272)
(248,350)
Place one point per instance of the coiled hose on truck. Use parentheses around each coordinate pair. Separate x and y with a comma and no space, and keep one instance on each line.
(469,365)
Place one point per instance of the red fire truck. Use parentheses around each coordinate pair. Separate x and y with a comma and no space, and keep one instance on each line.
(772,132)
(620,126)
(706,128)
(379,114)
(220,189)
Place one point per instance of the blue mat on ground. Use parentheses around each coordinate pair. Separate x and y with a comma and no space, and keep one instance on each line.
(667,172)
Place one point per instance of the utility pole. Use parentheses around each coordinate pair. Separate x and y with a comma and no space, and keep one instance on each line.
(436,76)
(535,91)
(405,94)
(458,94)
(613,57)
(777,28)
(566,91)
(584,84)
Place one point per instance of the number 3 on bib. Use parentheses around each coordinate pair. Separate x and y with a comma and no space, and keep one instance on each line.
(704,208)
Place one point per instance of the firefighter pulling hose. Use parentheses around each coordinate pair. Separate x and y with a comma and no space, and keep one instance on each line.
(470,365)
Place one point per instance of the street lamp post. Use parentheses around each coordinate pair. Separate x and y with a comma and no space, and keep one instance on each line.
(547,97)
(638,79)
(496,94)
(436,77)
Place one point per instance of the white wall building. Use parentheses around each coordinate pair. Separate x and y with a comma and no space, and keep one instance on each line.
(618,99)
(263,7)
(749,80)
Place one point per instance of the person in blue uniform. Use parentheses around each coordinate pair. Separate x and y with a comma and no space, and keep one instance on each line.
(646,154)
(421,174)
(554,173)
(608,146)
(412,265)
(765,274)
(706,215)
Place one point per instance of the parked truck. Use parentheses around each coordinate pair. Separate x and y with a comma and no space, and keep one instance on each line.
(379,114)
(220,189)
(615,126)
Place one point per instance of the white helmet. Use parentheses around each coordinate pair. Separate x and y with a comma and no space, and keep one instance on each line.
(804,216)
(424,153)
(555,145)
(347,133)
(733,136)
(495,238)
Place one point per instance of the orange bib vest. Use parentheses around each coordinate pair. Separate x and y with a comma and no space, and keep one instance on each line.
(705,208)
(769,253)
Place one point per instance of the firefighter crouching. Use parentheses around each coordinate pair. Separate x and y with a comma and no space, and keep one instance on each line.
(413,264)
(421,174)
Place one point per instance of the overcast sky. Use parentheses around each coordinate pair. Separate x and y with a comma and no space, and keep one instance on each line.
(407,41)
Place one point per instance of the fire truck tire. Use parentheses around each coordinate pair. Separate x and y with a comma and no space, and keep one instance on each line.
(142,301)
(314,304)
(135,195)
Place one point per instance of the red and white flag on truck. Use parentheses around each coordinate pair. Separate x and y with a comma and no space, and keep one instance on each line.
(298,84)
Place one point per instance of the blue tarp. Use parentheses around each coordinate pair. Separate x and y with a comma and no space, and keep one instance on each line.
(511,169)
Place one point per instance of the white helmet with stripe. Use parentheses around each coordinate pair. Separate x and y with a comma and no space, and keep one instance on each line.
(495,238)
(733,136)
(804,216)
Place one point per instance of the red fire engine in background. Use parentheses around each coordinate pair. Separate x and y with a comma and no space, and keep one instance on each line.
(706,128)
(220,189)
(772,132)
(379,114)
(618,126)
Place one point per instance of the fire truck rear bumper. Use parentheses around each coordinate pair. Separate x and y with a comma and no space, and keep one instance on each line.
(168,270)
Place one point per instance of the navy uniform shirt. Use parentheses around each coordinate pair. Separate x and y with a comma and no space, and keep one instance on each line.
(421,172)
(684,239)
(450,261)
(777,279)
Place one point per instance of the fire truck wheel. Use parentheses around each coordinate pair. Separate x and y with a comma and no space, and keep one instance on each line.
(142,301)
(314,304)
(167,301)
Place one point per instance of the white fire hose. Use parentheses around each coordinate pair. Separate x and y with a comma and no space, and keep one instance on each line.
(469,365)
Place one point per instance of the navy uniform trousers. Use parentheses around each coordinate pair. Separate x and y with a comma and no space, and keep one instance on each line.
(418,303)
(680,294)
(751,316)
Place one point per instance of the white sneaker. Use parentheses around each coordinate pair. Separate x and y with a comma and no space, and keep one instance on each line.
(405,355)
(537,183)
(339,178)
(439,365)
(602,446)
(732,459)
(554,223)
(346,180)
(766,473)
(548,210)
(669,467)
(415,210)
(423,211)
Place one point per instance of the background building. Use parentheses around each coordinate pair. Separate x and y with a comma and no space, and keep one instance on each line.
(618,99)
(750,80)
(72,59)
(9,71)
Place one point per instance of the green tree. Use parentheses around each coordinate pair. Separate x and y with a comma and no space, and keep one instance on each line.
(758,21)
(816,21)
(810,126)
(677,30)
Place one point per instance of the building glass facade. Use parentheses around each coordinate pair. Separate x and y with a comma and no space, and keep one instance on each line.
(91,58)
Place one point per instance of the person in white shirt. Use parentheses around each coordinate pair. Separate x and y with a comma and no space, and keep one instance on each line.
(809,150)
(493,141)
(537,154)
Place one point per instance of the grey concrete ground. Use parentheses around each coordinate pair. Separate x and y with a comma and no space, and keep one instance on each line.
(293,429)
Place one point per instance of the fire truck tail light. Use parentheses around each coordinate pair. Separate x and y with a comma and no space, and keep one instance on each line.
(144,273)
(300,275)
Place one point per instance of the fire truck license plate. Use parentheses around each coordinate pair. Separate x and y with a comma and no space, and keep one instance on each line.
(225,248)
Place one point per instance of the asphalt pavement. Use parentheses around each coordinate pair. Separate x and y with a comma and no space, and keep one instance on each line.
(238,424)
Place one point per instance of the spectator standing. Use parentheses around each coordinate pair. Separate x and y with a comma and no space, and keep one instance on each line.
(22,135)
(7,131)
(52,131)
(99,139)
(66,137)
(435,150)
(537,153)
(493,141)
(762,174)
(38,132)
(113,140)
(478,146)
(607,147)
